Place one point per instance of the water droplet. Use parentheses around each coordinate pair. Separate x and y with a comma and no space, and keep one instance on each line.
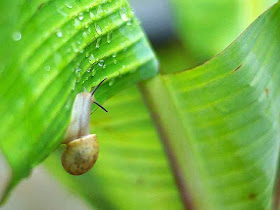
(47,68)
(81,16)
(88,71)
(78,77)
(129,23)
(101,63)
(98,42)
(91,15)
(86,78)
(82,51)
(109,37)
(91,58)
(57,58)
(75,48)
(123,14)
(59,34)
(87,54)
(78,70)
(74,86)
(104,66)
(98,29)
(77,23)
(114,55)
(123,66)
(115,61)
(85,34)
(17,36)
(93,72)
(68,5)
(111,82)
(99,10)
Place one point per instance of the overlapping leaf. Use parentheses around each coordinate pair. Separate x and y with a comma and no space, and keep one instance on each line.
(63,47)
(223,120)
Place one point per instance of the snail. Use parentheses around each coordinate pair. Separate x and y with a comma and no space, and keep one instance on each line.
(82,148)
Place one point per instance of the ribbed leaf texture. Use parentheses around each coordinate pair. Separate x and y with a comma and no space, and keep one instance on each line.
(59,48)
(221,120)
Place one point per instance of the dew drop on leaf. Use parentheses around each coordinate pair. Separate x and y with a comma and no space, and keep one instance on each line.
(129,23)
(93,72)
(78,71)
(77,23)
(59,34)
(91,58)
(91,15)
(101,63)
(109,37)
(75,48)
(98,42)
(89,30)
(74,87)
(17,36)
(47,68)
(78,78)
(57,58)
(123,14)
(69,6)
(111,82)
(98,29)
(99,10)
(81,16)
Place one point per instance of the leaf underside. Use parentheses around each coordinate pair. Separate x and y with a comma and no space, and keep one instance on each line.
(62,47)
(228,112)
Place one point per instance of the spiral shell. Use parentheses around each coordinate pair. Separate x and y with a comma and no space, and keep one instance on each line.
(80,155)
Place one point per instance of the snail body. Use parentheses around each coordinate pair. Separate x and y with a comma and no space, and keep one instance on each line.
(82,148)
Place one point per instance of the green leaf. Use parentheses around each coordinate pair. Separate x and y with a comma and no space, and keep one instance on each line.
(207,27)
(59,48)
(132,171)
(223,120)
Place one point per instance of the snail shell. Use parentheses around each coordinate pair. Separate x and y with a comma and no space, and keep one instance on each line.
(80,155)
